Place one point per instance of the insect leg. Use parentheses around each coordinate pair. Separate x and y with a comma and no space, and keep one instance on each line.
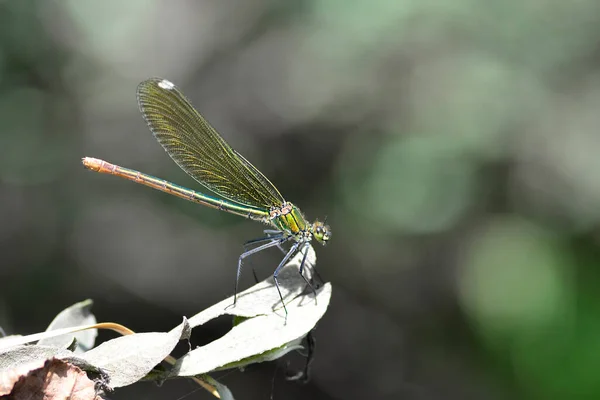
(281,264)
(271,231)
(275,232)
(272,235)
(304,248)
(249,253)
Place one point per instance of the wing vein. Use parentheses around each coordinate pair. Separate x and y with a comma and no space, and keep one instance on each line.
(199,150)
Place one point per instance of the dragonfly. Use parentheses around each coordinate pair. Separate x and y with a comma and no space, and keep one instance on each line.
(239,188)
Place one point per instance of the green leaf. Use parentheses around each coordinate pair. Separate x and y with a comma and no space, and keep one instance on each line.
(77,315)
(265,334)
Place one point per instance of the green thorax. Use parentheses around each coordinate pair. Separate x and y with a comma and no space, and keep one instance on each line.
(289,219)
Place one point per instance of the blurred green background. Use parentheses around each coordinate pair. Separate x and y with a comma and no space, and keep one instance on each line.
(453,146)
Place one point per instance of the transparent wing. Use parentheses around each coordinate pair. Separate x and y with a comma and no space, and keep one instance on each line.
(199,150)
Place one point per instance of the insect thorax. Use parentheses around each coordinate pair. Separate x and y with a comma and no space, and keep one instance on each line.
(288,218)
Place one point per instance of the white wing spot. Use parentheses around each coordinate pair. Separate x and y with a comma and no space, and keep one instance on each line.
(165,84)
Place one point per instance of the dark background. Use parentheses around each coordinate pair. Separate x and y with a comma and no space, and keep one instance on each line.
(453,146)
